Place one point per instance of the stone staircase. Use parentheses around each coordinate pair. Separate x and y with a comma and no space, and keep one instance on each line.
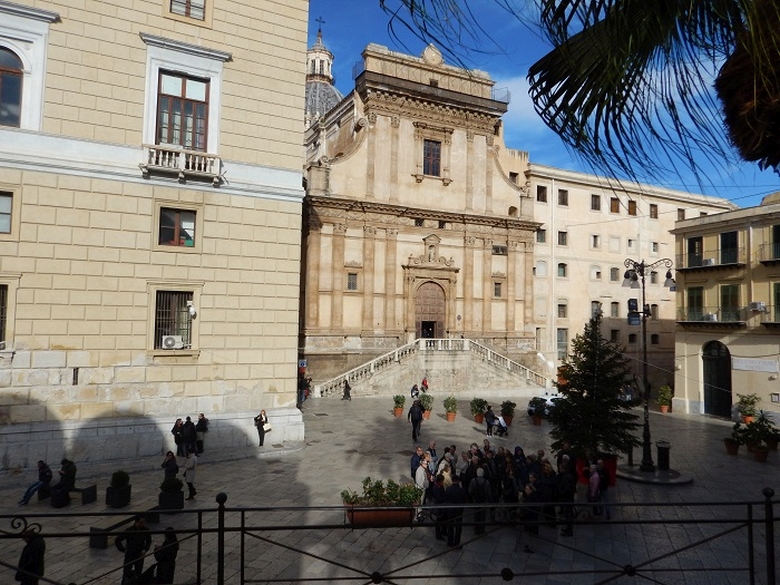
(453,366)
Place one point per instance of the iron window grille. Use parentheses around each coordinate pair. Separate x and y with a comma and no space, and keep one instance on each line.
(172,317)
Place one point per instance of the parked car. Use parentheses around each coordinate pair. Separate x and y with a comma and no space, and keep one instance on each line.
(541,404)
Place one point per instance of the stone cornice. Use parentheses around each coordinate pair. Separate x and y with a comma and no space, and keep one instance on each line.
(27,12)
(189,49)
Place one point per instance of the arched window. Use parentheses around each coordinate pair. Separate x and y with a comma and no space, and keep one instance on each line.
(562,270)
(595,272)
(10,88)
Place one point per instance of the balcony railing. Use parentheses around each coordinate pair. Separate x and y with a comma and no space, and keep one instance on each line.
(769,252)
(713,314)
(186,164)
(710,258)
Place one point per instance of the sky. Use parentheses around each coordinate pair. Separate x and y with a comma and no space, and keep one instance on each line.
(510,47)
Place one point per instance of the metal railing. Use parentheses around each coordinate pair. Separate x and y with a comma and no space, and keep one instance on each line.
(240,546)
(713,314)
(365,371)
(715,257)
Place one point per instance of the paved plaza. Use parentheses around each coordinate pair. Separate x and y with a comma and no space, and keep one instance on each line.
(348,440)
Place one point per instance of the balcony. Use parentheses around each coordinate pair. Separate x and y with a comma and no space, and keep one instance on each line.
(731,317)
(185,164)
(770,318)
(713,259)
(769,254)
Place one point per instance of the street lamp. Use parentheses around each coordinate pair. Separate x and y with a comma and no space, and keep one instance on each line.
(635,278)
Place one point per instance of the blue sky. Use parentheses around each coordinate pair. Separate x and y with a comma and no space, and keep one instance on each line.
(349,26)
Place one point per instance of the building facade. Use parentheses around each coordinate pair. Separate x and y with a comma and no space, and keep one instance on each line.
(728,297)
(590,225)
(150,213)
(417,220)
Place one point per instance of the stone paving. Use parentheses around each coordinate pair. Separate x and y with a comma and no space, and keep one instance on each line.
(346,441)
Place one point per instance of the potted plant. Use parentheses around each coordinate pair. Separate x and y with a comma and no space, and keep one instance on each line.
(426,401)
(118,493)
(766,429)
(508,411)
(537,406)
(664,397)
(450,408)
(478,407)
(734,440)
(171,495)
(747,406)
(393,504)
(398,404)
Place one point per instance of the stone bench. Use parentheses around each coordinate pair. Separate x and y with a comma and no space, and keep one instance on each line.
(103,527)
(88,495)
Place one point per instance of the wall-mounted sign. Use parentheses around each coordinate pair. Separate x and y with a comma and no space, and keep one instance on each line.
(754,365)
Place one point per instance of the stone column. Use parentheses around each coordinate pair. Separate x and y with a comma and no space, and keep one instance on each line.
(487,285)
(469,242)
(469,170)
(337,255)
(371,156)
(369,242)
(489,166)
(313,250)
(391,274)
(395,141)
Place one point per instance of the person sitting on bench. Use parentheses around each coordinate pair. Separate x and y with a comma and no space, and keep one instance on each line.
(44,478)
(67,477)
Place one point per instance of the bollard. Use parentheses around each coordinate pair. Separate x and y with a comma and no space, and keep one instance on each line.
(663,455)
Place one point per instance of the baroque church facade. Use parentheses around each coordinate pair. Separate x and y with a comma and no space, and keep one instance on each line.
(417,220)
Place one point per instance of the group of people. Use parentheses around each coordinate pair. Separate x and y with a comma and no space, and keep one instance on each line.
(491,475)
(135,543)
(190,435)
(415,391)
(170,467)
(60,491)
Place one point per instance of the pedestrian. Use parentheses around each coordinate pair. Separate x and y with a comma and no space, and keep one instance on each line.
(165,555)
(455,495)
(593,494)
(134,542)
(530,516)
(190,435)
(415,416)
(60,492)
(189,474)
(479,493)
(31,563)
(414,462)
(261,420)
(44,478)
(170,465)
(603,487)
(201,428)
(414,392)
(424,384)
(490,420)
(347,391)
(178,437)
(567,489)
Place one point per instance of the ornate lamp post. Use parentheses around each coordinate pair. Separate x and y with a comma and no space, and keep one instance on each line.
(635,278)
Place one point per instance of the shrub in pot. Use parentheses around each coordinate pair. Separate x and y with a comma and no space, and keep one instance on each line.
(508,411)
(747,406)
(478,407)
(450,407)
(378,494)
(664,397)
(398,404)
(118,492)
(426,401)
(171,495)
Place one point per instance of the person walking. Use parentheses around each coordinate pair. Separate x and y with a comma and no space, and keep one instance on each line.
(455,495)
(347,391)
(260,421)
(170,465)
(201,428)
(189,474)
(415,416)
(165,555)
(134,542)
(44,478)
(31,563)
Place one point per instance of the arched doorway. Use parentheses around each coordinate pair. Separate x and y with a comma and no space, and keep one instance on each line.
(429,310)
(716,359)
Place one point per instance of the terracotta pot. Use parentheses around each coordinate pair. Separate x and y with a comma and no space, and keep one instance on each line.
(664,407)
(537,420)
(747,419)
(426,414)
(508,421)
(760,453)
(479,418)
(398,412)
(368,518)
(732,447)
(750,446)
(451,416)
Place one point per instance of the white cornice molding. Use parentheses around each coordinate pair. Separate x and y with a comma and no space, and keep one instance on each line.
(28,12)
(187,48)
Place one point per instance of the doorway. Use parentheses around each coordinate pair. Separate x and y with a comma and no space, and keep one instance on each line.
(430,311)
(716,360)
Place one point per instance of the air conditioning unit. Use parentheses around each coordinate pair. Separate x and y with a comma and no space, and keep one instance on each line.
(757,306)
(172,342)
(708,262)
(711,317)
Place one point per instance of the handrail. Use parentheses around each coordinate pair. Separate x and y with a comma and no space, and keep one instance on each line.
(365,371)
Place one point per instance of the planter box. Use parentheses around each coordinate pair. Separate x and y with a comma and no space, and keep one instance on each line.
(118,497)
(171,501)
(732,447)
(369,518)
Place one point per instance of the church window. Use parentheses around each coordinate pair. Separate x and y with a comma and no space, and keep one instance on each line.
(432,158)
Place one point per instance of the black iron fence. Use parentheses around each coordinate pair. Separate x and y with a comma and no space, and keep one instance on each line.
(729,542)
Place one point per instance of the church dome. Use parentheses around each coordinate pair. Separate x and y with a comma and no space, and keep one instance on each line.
(321,94)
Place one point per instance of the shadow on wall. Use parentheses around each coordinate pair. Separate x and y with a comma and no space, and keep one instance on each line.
(124,440)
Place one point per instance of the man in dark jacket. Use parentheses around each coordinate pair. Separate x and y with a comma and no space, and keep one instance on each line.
(44,478)
(190,435)
(415,416)
(455,495)
(31,561)
(567,489)
(67,476)
(135,541)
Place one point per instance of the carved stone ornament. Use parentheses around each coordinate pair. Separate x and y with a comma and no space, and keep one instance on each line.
(432,55)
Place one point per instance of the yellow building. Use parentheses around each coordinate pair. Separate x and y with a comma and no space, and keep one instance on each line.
(728,296)
(417,223)
(150,214)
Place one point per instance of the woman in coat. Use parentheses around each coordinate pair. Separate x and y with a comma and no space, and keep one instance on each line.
(260,421)
(165,555)
(170,465)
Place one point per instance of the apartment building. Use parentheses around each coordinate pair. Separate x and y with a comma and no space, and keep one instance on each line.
(590,226)
(728,320)
(150,216)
